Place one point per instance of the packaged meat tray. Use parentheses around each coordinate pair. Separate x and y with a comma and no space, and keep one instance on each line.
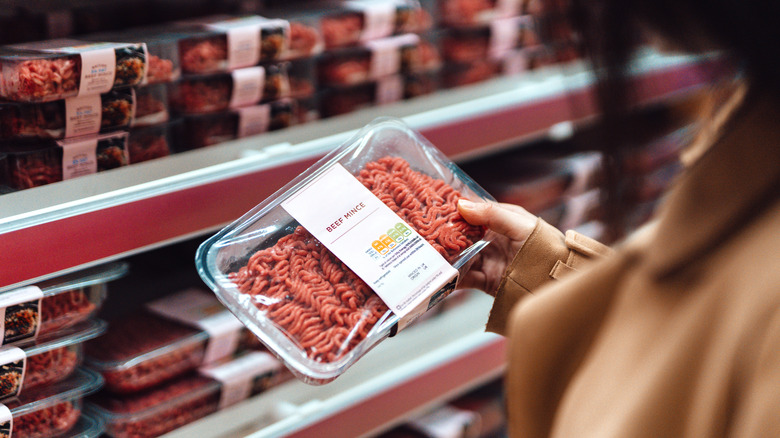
(70,299)
(376,59)
(494,40)
(351,22)
(203,130)
(151,105)
(50,411)
(336,101)
(173,335)
(296,269)
(57,69)
(249,39)
(71,117)
(50,359)
(302,77)
(454,13)
(143,350)
(156,141)
(186,399)
(305,38)
(239,88)
(37,162)
(162,51)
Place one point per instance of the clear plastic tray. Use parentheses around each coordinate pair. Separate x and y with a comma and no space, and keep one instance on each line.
(37,162)
(51,70)
(54,410)
(162,47)
(151,105)
(143,350)
(114,110)
(173,404)
(218,92)
(203,130)
(156,141)
(320,340)
(49,360)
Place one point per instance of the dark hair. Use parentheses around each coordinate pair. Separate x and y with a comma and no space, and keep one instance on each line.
(743,33)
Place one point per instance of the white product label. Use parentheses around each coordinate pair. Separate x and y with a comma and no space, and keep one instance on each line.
(389,90)
(504,36)
(243,46)
(515,62)
(386,54)
(78,157)
(20,314)
(6,421)
(378,18)
(83,115)
(253,120)
(447,422)
(12,368)
(243,376)
(388,254)
(248,86)
(98,68)
(201,309)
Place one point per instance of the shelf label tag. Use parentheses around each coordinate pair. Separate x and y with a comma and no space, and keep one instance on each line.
(387,253)
(83,115)
(6,421)
(13,363)
(202,310)
(20,314)
(248,86)
(243,377)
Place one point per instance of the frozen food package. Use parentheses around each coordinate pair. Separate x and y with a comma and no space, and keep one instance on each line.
(50,411)
(56,69)
(37,162)
(151,105)
(201,130)
(71,117)
(239,88)
(336,101)
(379,210)
(173,335)
(155,141)
(454,13)
(50,359)
(350,22)
(186,399)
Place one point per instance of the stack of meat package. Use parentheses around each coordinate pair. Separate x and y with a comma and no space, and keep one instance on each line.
(180,358)
(67,108)
(42,381)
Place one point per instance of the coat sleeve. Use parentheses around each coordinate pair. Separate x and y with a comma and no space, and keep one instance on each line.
(546,255)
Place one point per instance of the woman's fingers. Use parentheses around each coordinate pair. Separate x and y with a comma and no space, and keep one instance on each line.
(510,220)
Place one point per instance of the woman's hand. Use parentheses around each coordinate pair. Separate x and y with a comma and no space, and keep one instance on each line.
(512,224)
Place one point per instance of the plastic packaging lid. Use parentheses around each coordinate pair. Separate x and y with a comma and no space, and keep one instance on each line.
(81,384)
(88,277)
(76,334)
(88,426)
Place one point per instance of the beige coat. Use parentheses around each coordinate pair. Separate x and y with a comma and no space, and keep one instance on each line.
(676,333)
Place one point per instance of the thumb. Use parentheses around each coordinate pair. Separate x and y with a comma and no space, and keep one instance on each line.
(509,220)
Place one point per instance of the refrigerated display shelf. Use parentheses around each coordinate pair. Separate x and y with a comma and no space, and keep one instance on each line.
(54,229)
(427,364)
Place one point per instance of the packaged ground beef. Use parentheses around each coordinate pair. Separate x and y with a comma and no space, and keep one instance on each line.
(239,88)
(56,69)
(162,50)
(37,162)
(348,253)
(52,410)
(151,105)
(71,117)
(50,359)
(188,398)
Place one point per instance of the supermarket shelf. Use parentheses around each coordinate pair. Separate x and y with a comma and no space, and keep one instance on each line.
(73,224)
(427,364)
